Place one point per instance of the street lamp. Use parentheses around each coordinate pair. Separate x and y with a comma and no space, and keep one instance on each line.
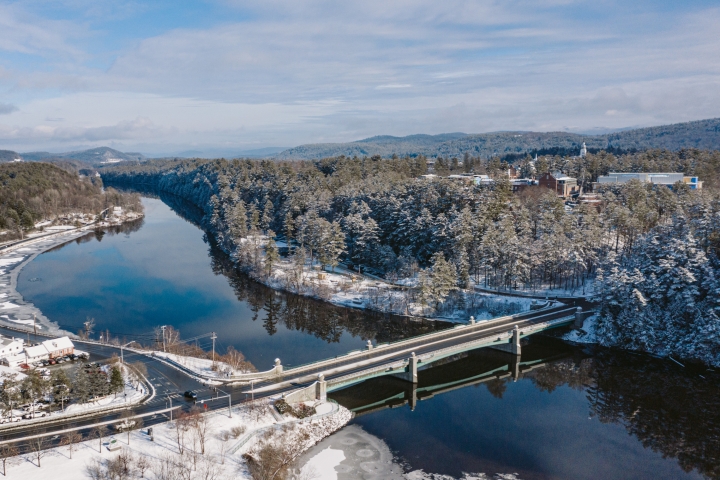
(122,357)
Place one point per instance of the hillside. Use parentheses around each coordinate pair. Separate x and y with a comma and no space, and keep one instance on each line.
(94,156)
(8,156)
(35,191)
(702,134)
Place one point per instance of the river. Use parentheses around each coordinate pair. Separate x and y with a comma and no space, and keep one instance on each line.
(573,412)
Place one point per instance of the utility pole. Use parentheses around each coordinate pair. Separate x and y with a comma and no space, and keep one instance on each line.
(34,325)
(213,348)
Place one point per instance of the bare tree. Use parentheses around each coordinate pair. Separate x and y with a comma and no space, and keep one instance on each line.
(201,426)
(39,447)
(141,464)
(209,470)
(99,432)
(71,440)
(164,467)
(182,424)
(120,467)
(7,451)
(275,453)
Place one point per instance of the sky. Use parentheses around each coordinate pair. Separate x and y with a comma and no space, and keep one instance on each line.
(163,77)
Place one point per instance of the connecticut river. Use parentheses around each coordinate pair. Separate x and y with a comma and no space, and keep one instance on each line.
(561,412)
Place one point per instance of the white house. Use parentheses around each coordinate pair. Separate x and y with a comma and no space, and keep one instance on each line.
(14,361)
(58,347)
(10,346)
(36,353)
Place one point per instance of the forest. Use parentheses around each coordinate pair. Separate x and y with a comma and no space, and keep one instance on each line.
(33,192)
(442,238)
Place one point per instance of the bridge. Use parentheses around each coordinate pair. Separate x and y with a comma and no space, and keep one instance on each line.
(405,358)
(472,368)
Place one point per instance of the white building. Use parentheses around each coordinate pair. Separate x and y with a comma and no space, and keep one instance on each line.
(36,353)
(10,346)
(658,178)
(14,361)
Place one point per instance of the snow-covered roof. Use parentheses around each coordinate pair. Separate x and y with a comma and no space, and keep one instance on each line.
(36,351)
(58,344)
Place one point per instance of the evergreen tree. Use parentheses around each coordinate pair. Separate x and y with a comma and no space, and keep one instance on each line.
(271,252)
(267,216)
(117,382)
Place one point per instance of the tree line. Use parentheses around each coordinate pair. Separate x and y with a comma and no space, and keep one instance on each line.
(32,192)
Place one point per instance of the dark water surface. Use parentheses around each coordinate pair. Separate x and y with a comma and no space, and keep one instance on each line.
(162,271)
(569,413)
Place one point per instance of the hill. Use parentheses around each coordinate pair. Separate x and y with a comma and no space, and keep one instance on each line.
(702,134)
(35,191)
(94,156)
(8,156)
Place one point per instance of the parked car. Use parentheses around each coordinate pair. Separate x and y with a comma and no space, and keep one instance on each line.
(33,406)
(35,414)
(52,361)
(10,419)
(190,395)
(125,425)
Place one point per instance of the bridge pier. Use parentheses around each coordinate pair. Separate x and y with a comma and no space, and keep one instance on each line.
(579,318)
(410,374)
(513,346)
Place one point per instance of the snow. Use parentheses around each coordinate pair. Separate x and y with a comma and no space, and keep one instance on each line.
(59,466)
(586,334)
(201,366)
(322,466)
(6,262)
(10,305)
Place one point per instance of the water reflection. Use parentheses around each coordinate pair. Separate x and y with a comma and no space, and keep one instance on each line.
(162,270)
(558,412)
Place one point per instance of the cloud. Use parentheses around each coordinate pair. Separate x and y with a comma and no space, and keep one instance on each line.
(285,73)
(6,108)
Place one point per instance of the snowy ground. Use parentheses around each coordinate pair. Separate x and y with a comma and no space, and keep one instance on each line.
(201,366)
(349,289)
(222,457)
(584,335)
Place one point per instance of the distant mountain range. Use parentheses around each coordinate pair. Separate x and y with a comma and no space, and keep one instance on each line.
(702,134)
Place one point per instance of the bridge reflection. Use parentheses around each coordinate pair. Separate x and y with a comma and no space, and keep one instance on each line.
(480,366)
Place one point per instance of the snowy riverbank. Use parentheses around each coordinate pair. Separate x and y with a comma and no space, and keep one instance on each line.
(213,445)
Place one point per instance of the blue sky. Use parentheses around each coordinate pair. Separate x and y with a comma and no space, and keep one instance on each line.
(163,77)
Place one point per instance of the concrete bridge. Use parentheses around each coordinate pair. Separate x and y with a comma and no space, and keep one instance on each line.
(405,358)
(468,369)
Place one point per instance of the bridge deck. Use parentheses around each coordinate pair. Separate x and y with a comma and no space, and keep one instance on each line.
(391,358)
